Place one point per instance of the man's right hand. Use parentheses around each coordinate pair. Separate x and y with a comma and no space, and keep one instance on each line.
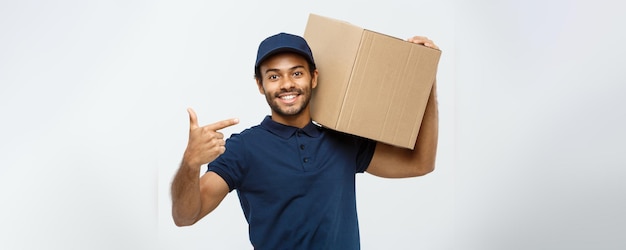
(205,143)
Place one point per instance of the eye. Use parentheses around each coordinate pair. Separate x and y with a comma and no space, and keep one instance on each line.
(298,74)
(272,77)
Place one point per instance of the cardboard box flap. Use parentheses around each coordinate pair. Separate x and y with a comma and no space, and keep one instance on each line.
(380,105)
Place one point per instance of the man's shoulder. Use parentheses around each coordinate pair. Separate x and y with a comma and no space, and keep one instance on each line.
(248,132)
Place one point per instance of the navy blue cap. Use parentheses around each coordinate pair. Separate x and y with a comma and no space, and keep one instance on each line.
(283,42)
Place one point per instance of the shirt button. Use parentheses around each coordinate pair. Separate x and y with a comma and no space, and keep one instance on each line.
(302,146)
(306,160)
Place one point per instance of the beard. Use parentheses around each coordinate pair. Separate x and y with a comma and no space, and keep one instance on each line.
(290,110)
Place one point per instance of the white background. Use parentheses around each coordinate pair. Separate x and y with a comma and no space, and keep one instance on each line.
(93,122)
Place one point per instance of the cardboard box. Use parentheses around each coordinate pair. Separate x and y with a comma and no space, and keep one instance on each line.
(370,84)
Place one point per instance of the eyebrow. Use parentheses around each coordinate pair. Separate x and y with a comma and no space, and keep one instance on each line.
(290,69)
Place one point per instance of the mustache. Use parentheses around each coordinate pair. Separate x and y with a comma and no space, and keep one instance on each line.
(291,90)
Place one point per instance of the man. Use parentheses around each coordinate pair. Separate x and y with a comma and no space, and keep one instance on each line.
(295,179)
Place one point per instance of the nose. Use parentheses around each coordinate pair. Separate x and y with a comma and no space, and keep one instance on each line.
(287,83)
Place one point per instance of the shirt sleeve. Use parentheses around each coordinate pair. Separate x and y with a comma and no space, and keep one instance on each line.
(230,165)
(365,153)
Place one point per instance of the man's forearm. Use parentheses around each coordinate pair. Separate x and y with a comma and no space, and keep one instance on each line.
(426,144)
(395,162)
(186,201)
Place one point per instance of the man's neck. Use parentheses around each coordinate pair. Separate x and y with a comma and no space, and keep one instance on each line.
(299,121)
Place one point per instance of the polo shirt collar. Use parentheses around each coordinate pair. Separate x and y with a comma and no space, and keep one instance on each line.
(286,131)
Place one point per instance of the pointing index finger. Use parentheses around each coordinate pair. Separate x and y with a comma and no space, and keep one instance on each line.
(223,124)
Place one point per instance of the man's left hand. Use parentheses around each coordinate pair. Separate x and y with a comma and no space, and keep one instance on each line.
(423,41)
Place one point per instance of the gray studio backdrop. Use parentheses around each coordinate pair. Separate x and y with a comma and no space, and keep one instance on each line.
(93,97)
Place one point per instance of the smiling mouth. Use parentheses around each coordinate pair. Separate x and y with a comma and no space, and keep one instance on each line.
(288,97)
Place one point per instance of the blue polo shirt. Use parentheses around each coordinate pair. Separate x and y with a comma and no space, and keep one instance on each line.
(296,186)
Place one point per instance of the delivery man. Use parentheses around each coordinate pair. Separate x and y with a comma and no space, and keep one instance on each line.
(295,179)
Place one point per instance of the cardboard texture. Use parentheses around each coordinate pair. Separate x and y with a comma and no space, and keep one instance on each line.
(370,84)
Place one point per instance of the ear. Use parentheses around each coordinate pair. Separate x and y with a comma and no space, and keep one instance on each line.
(259,84)
(314,79)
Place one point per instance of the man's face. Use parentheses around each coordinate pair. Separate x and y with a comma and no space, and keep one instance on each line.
(286,83)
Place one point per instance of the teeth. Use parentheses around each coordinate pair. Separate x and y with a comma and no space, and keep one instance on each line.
(288,97)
